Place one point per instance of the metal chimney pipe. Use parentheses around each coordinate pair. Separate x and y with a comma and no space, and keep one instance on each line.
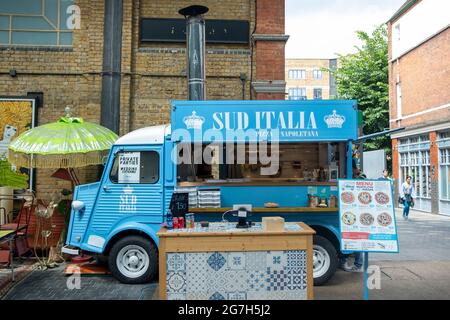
(195,49)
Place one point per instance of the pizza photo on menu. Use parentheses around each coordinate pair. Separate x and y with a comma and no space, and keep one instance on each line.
(365,197)
(384,219)
(366,219)
(347,197)
(381,198)
(348,218)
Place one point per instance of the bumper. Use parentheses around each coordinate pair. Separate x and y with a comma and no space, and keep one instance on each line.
(73,252)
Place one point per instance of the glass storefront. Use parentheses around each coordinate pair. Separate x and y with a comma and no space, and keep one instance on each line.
(444,172)
(414,155)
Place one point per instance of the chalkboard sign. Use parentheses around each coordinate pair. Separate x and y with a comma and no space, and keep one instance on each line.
(174,30)
(179,204)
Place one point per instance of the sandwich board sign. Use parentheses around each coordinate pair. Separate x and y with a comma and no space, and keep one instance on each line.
(367,218)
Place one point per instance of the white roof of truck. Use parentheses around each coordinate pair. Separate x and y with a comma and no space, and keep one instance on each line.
(148,135)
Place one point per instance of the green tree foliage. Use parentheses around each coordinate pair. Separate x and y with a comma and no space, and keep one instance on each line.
(363,76)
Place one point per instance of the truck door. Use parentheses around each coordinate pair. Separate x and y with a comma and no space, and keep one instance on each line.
(131,190)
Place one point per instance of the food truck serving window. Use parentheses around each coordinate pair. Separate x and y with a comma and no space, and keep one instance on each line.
(135,167)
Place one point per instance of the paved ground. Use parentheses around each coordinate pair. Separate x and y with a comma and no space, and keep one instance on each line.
(52,284)
(419,271)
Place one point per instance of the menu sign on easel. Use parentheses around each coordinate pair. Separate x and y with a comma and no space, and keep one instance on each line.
(129,167)
(367,216)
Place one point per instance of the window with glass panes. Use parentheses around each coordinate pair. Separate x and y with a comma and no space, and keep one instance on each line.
(35,22)
(444,165)
(297,93)
(317,93)
(317,74)
(415,162)
(297,74)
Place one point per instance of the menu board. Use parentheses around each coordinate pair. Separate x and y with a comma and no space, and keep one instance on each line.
(367,216)
(129,167)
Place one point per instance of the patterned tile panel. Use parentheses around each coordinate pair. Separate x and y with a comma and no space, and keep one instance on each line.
(259,275)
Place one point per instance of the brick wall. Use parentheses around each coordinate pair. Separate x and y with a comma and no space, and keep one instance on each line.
(152,74)
(66,77)
(309,65)
(425,81)
(270,54)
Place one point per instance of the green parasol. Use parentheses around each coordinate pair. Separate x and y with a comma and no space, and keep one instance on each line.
(70,142)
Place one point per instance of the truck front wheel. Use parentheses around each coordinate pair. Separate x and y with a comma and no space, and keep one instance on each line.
(325,260)
(133,259)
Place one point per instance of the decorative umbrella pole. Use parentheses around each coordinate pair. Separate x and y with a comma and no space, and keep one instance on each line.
(66,144)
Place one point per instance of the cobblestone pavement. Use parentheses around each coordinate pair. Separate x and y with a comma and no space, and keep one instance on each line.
(424,237)
(419,271)
(51,284)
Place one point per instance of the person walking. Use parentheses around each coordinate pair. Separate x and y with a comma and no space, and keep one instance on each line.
(407,196)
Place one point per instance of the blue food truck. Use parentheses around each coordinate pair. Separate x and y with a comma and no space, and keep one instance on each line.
(281,157)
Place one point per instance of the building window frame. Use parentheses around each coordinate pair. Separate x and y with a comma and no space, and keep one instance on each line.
(414,155)
(317,74)
(297,74)
(297,93)
(317,94)
(39,26)
(443,142)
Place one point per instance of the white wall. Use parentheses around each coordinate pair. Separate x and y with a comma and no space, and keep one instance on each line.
(423,21)
(374,162)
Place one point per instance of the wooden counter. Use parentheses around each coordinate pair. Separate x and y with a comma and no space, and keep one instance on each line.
(197,264)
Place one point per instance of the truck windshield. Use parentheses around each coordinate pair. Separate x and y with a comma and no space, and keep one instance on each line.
(135,167)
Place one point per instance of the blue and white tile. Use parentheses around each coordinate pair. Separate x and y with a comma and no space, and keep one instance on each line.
(277,280)
(297,279)
(216,280)
(256,280)
(196,281)
(296,259)
(237,295)
(256,260)
(176,262)
(257,295)
(276,295)
(236,260)
(216,261)
(235,280)
(276,260)
(176,296)
(197,295)
(217,295)
(176,282)
(296,295)
(196,261)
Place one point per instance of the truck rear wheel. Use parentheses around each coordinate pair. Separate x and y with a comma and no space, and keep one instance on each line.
(325,260)
(133,260)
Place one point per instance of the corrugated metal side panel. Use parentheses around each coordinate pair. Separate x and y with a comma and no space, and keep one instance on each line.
(87,194)
(116,205)
(167,197)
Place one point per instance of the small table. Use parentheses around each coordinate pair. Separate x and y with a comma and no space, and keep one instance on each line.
(222,262)
(8,236)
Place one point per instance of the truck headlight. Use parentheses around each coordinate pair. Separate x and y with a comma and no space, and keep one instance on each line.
(78,206)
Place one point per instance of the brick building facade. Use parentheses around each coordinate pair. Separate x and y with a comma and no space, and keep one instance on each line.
(419,92)
(72,70)
(308,79)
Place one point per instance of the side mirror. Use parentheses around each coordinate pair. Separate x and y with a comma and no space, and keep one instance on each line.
(104,159)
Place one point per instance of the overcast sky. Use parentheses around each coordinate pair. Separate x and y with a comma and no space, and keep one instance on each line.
(322,28)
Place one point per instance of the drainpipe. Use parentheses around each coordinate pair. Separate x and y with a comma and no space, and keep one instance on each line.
(195,50)
(112,57)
